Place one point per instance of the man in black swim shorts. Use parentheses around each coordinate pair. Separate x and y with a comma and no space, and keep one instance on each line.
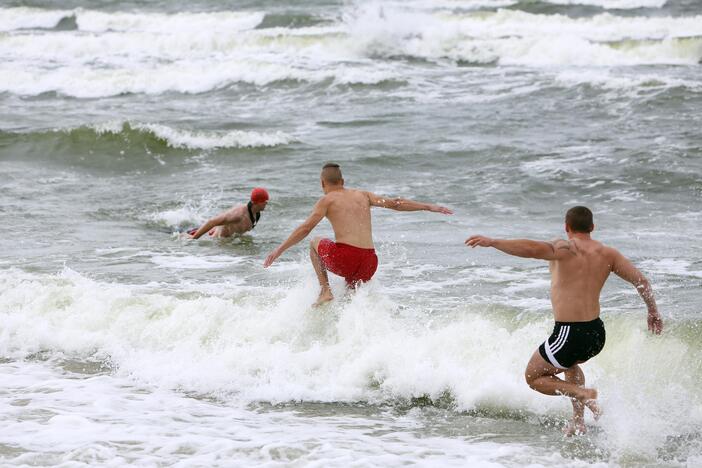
(579,268)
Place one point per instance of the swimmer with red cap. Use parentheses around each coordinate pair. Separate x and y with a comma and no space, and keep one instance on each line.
(237,219)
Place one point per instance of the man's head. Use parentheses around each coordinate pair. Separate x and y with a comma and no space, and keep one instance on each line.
(331,177)
(579,220)
(259,198)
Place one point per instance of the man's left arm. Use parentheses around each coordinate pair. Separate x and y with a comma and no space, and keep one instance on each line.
(318,213)
(622,267)
(403,204)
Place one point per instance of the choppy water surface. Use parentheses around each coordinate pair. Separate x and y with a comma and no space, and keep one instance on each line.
(123,122)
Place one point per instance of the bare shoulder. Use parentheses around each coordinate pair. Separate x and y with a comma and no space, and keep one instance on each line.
(611,253)
(361,195)
(560,245)
(238,210)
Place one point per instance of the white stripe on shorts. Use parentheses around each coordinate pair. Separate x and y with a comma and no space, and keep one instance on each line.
(560,341)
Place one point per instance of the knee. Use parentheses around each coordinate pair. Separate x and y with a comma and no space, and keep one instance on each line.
(529,377)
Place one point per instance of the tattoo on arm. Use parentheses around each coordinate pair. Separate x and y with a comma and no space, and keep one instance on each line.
(559,245)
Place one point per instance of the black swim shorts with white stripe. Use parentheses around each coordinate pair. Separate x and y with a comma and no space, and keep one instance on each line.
(573,342)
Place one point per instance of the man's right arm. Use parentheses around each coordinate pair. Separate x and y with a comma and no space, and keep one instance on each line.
(524,248)
(402,204)
(622,267)
(318,213)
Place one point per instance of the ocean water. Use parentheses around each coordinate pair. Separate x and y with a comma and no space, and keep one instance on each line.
(122,122)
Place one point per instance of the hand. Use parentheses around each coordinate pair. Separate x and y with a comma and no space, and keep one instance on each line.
(440,209)
(479,241)
(655,323)
(271,258)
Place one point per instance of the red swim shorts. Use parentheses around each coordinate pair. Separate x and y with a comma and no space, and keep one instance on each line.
(354,264)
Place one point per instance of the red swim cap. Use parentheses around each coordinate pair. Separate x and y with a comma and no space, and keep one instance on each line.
(259,195)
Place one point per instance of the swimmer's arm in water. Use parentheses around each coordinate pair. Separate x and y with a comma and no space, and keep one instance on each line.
(224,218)
(622,267)
(402,204)
(524,248)
(318,213)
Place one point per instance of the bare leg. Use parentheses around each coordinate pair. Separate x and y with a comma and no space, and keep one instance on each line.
(541,376)
(577,426)
(325,295)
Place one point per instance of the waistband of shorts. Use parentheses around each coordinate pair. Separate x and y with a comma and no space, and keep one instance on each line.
(597,321)
(355,248)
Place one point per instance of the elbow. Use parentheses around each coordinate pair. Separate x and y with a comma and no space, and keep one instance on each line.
(303,231)
(397,204)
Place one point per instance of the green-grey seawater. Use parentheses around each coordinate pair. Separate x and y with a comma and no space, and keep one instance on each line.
(122,123)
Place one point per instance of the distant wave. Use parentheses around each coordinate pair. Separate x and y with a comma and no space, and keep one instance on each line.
(178,138)
(613,4)
(158,134)
(513,37)
(130,53)
(98,21)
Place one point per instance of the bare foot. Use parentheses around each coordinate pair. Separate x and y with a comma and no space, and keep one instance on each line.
(575,428)
(324,297)
(594,407)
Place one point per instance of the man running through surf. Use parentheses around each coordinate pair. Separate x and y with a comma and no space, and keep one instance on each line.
(352,254)
(236,220)
(579,268)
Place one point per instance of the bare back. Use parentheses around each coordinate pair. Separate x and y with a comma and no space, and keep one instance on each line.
(577,279)
(348,211)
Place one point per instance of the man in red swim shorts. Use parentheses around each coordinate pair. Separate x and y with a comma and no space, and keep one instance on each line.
(352,255)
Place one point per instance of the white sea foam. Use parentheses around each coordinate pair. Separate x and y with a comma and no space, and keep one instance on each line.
(189,262)
(212,140)
(520,38)
(613,4)
(207,140)
(98,21)
(148,53)
(26,18)
(53,416)
(178,23)
(639,82)
(672,266)
(269,346)
(188,213)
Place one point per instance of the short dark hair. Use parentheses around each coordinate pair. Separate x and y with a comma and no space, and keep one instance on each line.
(331,173)
(579,219)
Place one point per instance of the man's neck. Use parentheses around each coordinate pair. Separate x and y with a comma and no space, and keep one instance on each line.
(579,235)
(333,188)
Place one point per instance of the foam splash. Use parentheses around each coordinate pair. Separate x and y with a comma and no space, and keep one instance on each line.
(270,346)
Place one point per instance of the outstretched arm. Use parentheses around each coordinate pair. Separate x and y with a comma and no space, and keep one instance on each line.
(220,219)
(623,268)
(402,204)
(318,212)
(524,247)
